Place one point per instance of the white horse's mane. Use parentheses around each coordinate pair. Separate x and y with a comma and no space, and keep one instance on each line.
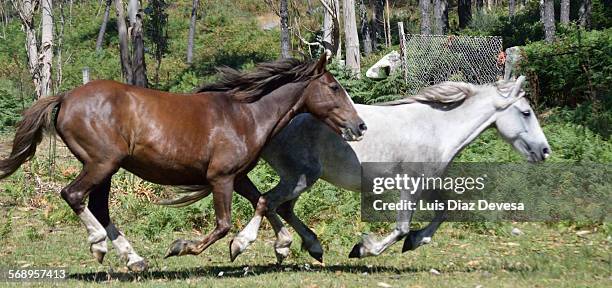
(450,92)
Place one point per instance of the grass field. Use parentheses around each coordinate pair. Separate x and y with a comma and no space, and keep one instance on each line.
(37,229)
(541,257)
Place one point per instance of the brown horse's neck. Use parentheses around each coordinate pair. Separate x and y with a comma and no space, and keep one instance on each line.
(274,111)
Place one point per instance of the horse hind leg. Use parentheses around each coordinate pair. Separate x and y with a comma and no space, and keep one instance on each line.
(223,187)
(247,189)
(98,205)
(310,242)
(289,188)
(91,177)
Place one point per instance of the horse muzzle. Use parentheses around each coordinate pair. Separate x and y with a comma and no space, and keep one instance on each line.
(354,132)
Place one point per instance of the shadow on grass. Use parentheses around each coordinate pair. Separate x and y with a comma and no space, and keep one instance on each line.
(233,272)
(255,270)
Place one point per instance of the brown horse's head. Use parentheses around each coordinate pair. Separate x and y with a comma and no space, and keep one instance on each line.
(327,100)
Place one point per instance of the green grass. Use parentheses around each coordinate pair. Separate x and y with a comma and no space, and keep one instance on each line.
(543,256)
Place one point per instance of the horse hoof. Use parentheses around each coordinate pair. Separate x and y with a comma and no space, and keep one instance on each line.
(281,254)
(409,244)
(139,266)
(235,249)
(99,256)
(98,250)
(317,256)
(356,252)
(177,248)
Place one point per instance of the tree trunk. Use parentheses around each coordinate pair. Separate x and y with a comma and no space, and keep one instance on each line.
(464,10)
(124,48)
(440,17)
(548,18)
(60,44)
(285,40)
(26,14)
(388,23)
(564,12)
(490,4)
(377,22)
(365,28)
(46,48)
(352,40)
(511,7)
(479,4)
(425,18)
(139,67)
(192,23)
(584,13)
(338,46)
(328,25)
(103,26)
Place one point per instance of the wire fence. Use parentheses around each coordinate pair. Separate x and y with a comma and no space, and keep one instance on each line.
(431,59)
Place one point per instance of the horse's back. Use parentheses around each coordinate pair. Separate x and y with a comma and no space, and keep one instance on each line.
(157,135)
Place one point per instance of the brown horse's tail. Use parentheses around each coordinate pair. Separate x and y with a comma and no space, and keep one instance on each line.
(36,120)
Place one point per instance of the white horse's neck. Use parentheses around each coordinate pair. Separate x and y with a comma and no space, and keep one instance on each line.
(465,123)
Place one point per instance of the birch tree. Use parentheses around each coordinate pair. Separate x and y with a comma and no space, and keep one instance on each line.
(351,38)
(39,57)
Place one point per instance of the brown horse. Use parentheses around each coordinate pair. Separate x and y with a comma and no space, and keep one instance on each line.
(208,139)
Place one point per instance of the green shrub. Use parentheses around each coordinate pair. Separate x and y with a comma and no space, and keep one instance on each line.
(576,69)
(484,22)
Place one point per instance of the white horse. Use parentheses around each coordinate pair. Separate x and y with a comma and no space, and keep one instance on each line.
(433,126)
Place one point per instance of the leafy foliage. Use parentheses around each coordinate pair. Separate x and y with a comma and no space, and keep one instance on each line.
(519,30)
(575,71)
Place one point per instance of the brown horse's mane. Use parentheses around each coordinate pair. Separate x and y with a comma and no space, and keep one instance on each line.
(266,77)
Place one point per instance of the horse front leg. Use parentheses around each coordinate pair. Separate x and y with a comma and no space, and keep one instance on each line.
(423,236)
(287,189)
(222,200)
(369,246)
(246,237)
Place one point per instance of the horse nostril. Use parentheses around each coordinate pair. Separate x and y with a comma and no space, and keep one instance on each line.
(545,152)
(363,127)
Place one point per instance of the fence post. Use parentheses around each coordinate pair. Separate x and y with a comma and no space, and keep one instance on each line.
(402,42)
(85,75)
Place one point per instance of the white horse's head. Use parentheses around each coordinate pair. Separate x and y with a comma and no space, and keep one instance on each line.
(517,122)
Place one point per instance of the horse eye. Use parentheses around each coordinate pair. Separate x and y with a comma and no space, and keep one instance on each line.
(334,87)
(526,113)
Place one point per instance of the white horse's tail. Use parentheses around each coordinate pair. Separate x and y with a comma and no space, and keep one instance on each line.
(190,195)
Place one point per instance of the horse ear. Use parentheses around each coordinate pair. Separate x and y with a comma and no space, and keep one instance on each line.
(323,60)
(513,96)
(517,87)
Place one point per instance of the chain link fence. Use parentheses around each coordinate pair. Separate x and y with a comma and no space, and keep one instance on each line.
(431,59)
